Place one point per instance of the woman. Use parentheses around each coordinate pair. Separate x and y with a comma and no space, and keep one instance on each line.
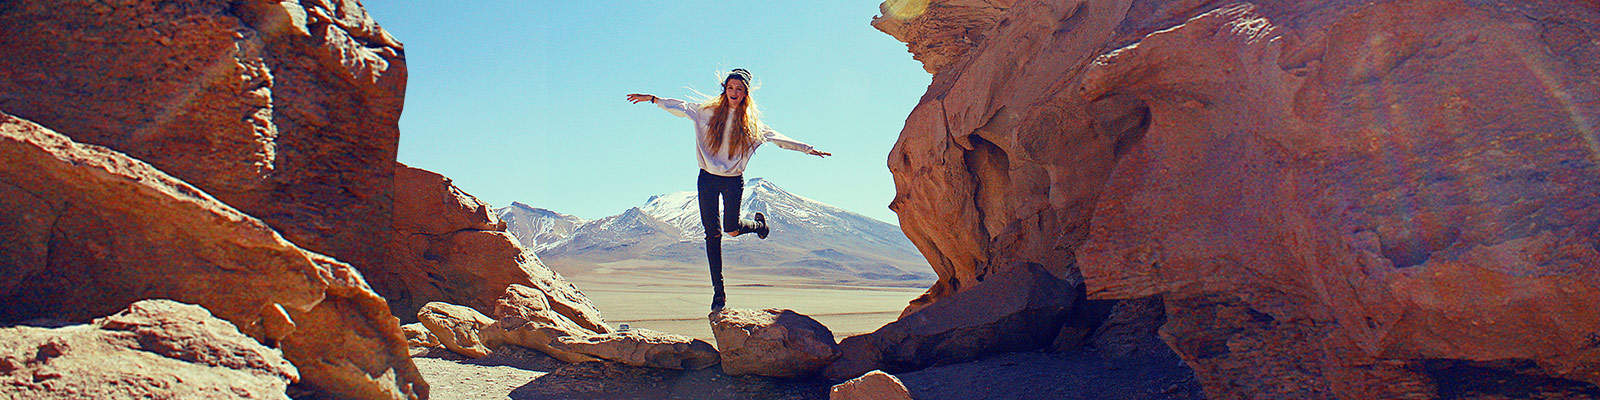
(727,131)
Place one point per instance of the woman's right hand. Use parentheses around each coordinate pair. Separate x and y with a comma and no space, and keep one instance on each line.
(636,98)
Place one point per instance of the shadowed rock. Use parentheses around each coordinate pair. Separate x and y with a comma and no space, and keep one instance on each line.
(1017,310)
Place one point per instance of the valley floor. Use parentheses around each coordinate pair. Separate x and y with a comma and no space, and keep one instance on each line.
(677,301)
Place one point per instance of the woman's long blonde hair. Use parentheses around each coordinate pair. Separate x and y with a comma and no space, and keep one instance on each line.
(745,133)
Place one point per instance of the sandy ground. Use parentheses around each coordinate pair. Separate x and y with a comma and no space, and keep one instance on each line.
(516,373)
(678,302)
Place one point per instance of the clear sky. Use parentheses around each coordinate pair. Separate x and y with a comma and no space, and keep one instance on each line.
(524,100)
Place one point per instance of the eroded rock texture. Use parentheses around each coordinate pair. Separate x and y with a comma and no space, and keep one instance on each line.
(447,246)
(285,110)
(154,349)
(1334,199)
(85,231)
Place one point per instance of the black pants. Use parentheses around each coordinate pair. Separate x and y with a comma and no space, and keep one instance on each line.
(730,189)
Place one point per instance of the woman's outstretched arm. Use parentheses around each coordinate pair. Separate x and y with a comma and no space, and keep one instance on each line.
(676,107)
(638,97)
(785,142)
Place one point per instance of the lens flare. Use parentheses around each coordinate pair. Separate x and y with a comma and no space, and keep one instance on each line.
(1553,85)
(906,9)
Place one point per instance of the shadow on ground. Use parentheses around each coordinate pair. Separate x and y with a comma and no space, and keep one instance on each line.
(1078,374)
(603,380)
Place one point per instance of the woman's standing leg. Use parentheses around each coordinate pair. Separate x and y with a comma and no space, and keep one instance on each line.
(708,193)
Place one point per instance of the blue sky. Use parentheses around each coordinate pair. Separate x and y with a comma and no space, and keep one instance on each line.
(524,101)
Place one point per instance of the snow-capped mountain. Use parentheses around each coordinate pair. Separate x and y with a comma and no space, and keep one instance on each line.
(537,228)
(809,239)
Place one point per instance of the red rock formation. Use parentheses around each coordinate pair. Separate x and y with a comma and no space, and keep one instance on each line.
(154,349)
(644,348)
(1345,199)
(772,342)
(1018,310)
(938,33)
(447,246)
(287,111)
(89,230)
(456,327)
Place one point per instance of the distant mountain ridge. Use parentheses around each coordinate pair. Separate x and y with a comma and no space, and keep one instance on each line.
(810,239)
(535,227)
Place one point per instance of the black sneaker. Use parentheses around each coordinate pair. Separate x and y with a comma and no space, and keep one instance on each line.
(718,301)
(763,230)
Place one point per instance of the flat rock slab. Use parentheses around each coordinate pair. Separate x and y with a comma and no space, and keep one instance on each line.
(772,342)
(644,348)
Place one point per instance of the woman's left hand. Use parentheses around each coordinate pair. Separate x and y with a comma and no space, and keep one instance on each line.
(819,153)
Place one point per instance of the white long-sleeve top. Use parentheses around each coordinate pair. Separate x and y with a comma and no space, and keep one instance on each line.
(717,161)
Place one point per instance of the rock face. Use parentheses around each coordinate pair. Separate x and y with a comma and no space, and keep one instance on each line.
(938,32)
(772,342)
(875,385)
(644,348)
(89,230)
(154,349)
(1333,198)
(447,246)
(1019,310)
(287,111)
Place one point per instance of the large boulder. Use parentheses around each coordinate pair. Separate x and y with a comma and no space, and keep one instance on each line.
(1017,310)
(1331,198)
(523,317)
(88,231)
(875,385)
(457,328)
(447,246)
(285,110)
(154,349)
(644,348)
(772,342)
(526,317)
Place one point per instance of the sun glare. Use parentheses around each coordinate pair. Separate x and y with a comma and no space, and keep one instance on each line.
(1556,88)
(907,9)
